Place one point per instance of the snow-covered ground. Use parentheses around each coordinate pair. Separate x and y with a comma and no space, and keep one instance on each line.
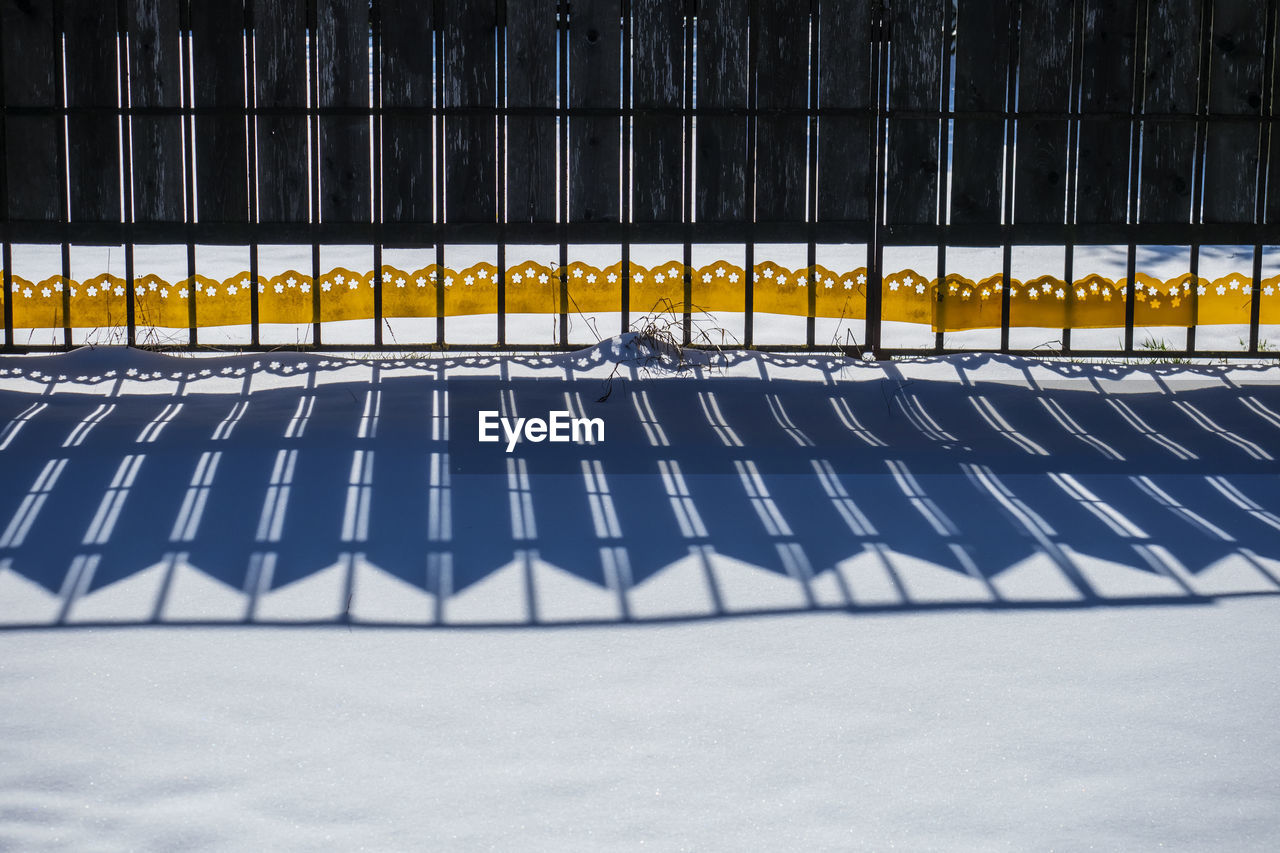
(291,602)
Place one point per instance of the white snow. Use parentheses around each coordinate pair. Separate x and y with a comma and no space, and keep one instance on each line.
(1113,729)
(947,642)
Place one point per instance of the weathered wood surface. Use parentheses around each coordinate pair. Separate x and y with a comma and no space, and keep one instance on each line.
(280,65)
(1044,85)
(155,80)
(342,41)
(408,165)
(846,146)
(470,144)
(915,83)
(1171,85)
(222,165)
(531,83)
(1232,149)
(1271,204)
(762,66)
(595,62)
(983,31)
(27,49)
(782,83)
(722,79)
(658,85)
(93,138)
(1106,85)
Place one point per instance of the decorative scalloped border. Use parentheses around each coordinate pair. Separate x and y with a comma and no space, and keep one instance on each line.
(1092,301)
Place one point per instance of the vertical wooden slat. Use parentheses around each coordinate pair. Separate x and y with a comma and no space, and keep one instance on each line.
(1171,80)
(27,49)
(1011,94)
(470,145)
(1044,62)
(686,182)
(531,84)
(944,156)
(6,250)
(1138,64)
(500,202)
(437,131)
(1073,150)
(915,75)
(251,95)
(845,145)
(875,250)
(189,177)
(782,80)
(595,63)
(1235,89)
(375,166)
(749,265)
(658,32)
(280,62)
(342,40)
(92,138)
(407,167)
(1265,140)
(563,213)
(624,302)
(1271,204)
(811,172)
(982,66)
(155,81)
(1105,86)
(222,167)
(722,73)
(127,181)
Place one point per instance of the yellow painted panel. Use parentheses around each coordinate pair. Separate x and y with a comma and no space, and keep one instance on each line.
(1091,302)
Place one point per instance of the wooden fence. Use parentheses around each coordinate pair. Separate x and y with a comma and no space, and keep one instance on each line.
(402,123)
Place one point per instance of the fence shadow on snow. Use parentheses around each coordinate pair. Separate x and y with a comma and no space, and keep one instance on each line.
(295,489)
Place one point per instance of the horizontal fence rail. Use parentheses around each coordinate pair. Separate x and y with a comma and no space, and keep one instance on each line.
(626,158)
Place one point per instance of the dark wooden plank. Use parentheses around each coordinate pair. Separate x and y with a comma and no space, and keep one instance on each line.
(155,80)
(407,32)
(782,83)
(32,173)
(595,63)
(1271,208)
(470,145)
(722,75)
(342,30)
(93,140)
(983,30)
(846,148)
(1106,85)
(1171,83)
(218,76)
(531,83)
(30,73)
(1235,88)
(658,146)
(915,80)
(280,62)
(408,182)
(1044,78)
(27,42)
